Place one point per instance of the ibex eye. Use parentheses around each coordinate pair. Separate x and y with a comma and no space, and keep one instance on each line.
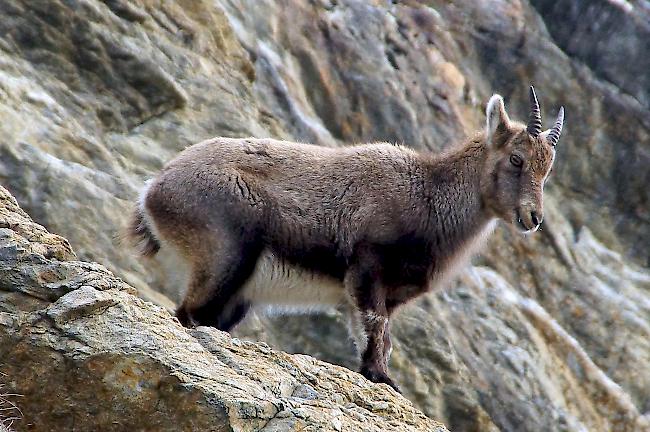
(516,160)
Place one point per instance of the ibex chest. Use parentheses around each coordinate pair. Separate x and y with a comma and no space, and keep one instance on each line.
(413,267)
(406,270)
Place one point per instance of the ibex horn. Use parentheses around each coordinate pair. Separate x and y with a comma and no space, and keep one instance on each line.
(554,134)
(535,121)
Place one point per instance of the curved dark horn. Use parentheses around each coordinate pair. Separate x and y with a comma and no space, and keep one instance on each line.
(554,134)
(535,120)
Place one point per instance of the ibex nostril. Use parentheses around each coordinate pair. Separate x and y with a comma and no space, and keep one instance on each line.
(536,219)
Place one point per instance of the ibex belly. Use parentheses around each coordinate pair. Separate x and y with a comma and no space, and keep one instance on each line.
(281,285)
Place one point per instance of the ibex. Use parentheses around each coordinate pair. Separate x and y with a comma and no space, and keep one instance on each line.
(289,225)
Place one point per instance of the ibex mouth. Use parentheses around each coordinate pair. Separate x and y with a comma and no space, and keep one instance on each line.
(522,225)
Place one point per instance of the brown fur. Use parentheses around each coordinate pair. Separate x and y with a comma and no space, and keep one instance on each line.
(381,222)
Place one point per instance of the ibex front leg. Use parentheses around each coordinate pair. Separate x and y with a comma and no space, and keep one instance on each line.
(370,299)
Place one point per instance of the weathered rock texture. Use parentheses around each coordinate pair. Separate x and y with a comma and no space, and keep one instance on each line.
(546,332)
(87,355)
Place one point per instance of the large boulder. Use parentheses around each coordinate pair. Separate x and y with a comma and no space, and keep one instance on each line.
(85,354)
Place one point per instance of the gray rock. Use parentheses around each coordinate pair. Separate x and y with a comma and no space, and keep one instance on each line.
(100,358)
(547,332)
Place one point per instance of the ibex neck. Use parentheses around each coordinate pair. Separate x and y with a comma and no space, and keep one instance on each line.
(456,211)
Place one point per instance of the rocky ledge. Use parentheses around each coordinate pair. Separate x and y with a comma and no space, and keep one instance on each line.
(86,354)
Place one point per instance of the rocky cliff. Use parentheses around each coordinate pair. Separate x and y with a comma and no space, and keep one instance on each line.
(545,332)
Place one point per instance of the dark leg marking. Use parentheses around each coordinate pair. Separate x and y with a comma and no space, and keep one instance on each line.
(230,318)
(216,307)
(183,317)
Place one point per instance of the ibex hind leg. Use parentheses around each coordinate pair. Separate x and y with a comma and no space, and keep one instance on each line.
(230,314)
(233,314)
(212,295)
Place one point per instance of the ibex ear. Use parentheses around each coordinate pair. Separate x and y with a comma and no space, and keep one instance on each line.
(498,122)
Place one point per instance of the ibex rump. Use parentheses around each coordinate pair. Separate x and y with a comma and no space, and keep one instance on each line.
(265,222)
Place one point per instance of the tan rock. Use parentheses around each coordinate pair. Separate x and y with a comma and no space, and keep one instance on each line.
(96,95)
(85,354)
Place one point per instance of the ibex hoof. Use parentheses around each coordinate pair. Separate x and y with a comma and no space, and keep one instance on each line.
(379,378)
(185,318)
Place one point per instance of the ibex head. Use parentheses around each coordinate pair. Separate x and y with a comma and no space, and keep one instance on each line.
(519,160)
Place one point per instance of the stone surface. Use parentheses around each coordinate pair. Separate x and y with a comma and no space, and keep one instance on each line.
(86,354)
(545,332)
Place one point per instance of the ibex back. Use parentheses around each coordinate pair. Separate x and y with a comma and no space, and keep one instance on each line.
(262,222)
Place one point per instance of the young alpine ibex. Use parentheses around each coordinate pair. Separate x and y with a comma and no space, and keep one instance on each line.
(265,222)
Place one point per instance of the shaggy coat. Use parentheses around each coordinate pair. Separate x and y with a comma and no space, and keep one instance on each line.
(367,227)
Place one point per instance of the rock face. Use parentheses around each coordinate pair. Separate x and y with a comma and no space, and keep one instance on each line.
(86,354)
(546,332)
